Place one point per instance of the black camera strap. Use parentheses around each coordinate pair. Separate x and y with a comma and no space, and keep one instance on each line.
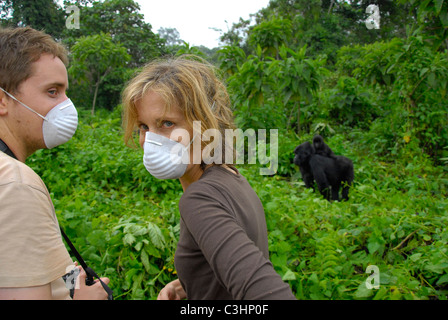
(89,271)
(4,148)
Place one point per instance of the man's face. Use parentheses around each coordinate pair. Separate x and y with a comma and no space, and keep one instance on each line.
(43,90)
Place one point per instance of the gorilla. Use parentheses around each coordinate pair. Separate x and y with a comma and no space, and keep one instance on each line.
(321,147)
(329,173)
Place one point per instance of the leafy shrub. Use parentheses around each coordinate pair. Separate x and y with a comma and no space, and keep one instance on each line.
(349,103)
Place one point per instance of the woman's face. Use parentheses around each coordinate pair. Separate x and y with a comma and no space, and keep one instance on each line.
(153,118)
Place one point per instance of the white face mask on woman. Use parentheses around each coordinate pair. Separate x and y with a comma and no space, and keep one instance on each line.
(59,124)
(165,158)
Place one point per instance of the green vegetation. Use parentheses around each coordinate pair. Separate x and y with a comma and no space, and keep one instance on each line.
(126,223)
(378,96)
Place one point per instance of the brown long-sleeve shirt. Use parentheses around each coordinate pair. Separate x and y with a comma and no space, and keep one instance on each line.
(223,246)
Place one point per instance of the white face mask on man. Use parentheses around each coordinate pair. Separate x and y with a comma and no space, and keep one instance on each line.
(59,124)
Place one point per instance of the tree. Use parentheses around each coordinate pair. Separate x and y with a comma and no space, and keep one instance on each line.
(230,57)
(94,57)
(271,35)
(237,34)
(250,88)
(186,48)
(299,78)
(267,92)
(326,25)
(38,14)
(171,36)
(126,26)
(432,17)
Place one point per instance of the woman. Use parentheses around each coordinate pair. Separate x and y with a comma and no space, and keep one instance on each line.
(222,251)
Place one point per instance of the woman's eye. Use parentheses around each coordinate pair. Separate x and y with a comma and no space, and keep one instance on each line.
(167,124)
(143,127)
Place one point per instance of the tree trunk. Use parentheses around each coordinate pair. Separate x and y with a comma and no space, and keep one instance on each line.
(97,85)
(331,6)
(94,97)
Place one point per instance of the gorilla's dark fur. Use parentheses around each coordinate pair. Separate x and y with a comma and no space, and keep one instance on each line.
(330,173)
(321,147)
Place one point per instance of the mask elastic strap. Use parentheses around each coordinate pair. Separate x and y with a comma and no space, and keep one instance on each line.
(195,135)
(14,98)
(191,142)
(160,144)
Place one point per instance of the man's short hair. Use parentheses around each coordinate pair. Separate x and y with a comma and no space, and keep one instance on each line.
(19,48)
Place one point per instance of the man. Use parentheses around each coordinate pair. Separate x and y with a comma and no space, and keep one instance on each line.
(35,113)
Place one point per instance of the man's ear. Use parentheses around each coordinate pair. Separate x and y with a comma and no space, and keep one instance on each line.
(4,101)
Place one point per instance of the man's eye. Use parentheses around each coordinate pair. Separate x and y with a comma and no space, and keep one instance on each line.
(53,91)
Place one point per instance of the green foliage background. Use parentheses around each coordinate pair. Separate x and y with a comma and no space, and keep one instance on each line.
(303,67)
(126,223)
